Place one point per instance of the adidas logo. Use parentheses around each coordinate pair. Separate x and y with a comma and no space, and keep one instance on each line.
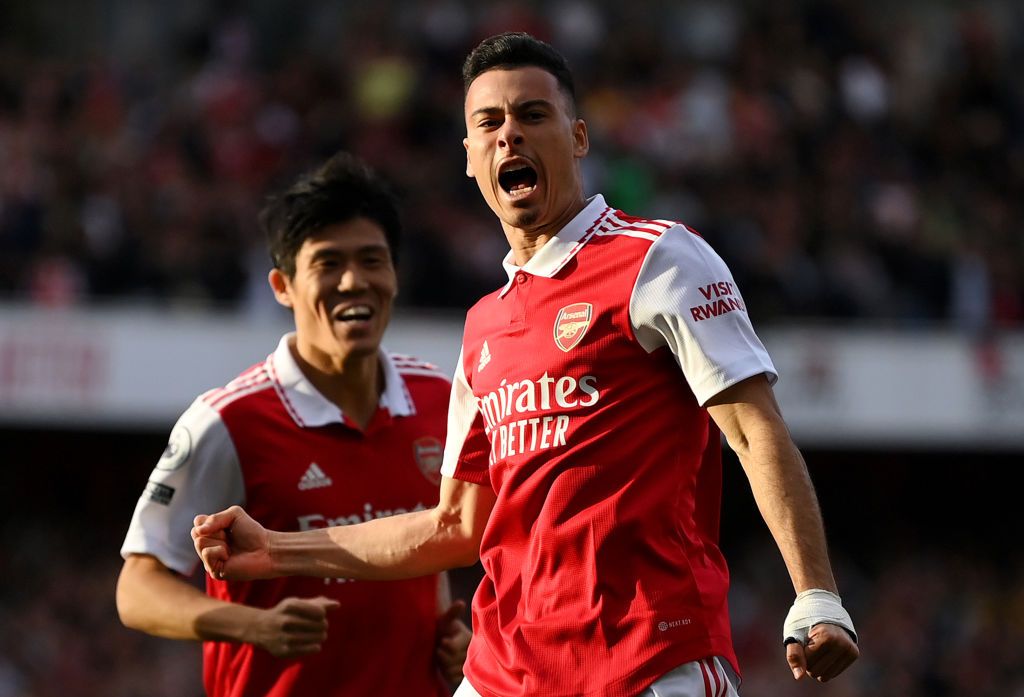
(485,357)
(314,478)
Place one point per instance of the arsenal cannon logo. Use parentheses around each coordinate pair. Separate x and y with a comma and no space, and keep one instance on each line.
(571,324)
(428,452)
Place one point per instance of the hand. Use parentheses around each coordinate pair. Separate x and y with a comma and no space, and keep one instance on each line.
(453,639)
(829,651)
(293,627)
(232,545)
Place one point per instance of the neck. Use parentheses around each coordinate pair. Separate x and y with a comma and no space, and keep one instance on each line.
(353,383)
(527,241)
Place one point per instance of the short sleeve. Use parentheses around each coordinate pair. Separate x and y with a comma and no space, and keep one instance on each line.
(686,299)
(197,473)
(467,448)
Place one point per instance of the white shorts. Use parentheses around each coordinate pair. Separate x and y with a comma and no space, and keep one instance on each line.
(708,677)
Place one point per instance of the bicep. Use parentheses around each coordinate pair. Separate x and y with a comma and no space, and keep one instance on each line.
(147,587)
(747,412)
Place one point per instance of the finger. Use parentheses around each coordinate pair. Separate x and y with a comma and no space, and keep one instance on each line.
(218,522)
(797,659)
(206,546)
(450,649)
(312,608)
(828,645)
(305,630)
(835,661)
(301,649)
(831,667)
(823,661)
(453,612)
(214,558)
(835,669)
(838,668)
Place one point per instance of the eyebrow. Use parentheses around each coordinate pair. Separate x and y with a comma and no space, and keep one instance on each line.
(521,106)
(333,252)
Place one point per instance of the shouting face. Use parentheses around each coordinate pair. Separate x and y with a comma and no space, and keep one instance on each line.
(523,146)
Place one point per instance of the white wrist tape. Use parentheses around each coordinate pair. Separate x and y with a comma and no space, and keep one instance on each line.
(815,606)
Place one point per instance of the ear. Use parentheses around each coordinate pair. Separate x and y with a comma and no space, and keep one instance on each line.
(280,284)
(469,167)
(581,141)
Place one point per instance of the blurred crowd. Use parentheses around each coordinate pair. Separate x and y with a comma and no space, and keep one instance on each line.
(848,163)
(934,625)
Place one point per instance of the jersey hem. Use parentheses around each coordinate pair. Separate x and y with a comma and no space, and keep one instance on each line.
(737,372)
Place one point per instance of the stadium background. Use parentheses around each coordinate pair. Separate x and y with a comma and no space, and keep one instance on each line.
(862,171)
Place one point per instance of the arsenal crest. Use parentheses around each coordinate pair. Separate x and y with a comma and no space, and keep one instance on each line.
(428,452)
(571,324)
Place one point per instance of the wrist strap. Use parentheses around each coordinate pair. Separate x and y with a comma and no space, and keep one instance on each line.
(811,607)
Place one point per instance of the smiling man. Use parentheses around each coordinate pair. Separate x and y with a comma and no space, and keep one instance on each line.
(330,430)
(583,461)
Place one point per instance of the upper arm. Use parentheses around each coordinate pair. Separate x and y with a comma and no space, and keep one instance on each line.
(142,587)
(747,411)
(685,299)
(138,568)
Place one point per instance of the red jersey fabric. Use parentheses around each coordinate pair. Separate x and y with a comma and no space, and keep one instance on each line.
(270,442)
(578,399)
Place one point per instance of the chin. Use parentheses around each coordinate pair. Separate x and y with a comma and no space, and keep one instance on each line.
(523,218)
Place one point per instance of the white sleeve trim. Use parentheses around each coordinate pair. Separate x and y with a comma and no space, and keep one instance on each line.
(199,472)
(461,415)
(685,299)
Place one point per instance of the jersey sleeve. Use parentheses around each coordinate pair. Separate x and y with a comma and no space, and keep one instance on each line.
(686,299)
(466,449)
(198,472)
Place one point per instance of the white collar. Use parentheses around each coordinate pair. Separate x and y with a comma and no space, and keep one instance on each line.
(557,251)
(308,407)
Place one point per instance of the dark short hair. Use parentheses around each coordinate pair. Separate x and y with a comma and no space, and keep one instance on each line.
(517,50)
(340,190)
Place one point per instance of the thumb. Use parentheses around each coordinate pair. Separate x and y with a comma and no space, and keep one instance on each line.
(326,603)
(797,659)
(453,613)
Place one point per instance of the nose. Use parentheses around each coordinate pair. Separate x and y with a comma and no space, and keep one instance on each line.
(352,279)
(510,134)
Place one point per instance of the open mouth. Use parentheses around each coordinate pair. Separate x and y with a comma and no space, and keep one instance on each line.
(355,313)
(519,180)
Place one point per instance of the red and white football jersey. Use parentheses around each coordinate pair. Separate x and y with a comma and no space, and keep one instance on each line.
(578,398)
(271,442)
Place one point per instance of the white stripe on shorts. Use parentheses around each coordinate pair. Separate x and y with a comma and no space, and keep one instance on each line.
(707,677)
(466,690)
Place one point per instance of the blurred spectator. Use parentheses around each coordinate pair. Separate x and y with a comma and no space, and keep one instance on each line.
(847,163)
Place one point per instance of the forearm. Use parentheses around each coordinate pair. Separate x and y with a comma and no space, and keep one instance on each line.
(786,499)
(401,546)
(153,600)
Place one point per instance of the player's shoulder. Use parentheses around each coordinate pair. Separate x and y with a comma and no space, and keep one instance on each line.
(251,382)
(417,369)
(618,223)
